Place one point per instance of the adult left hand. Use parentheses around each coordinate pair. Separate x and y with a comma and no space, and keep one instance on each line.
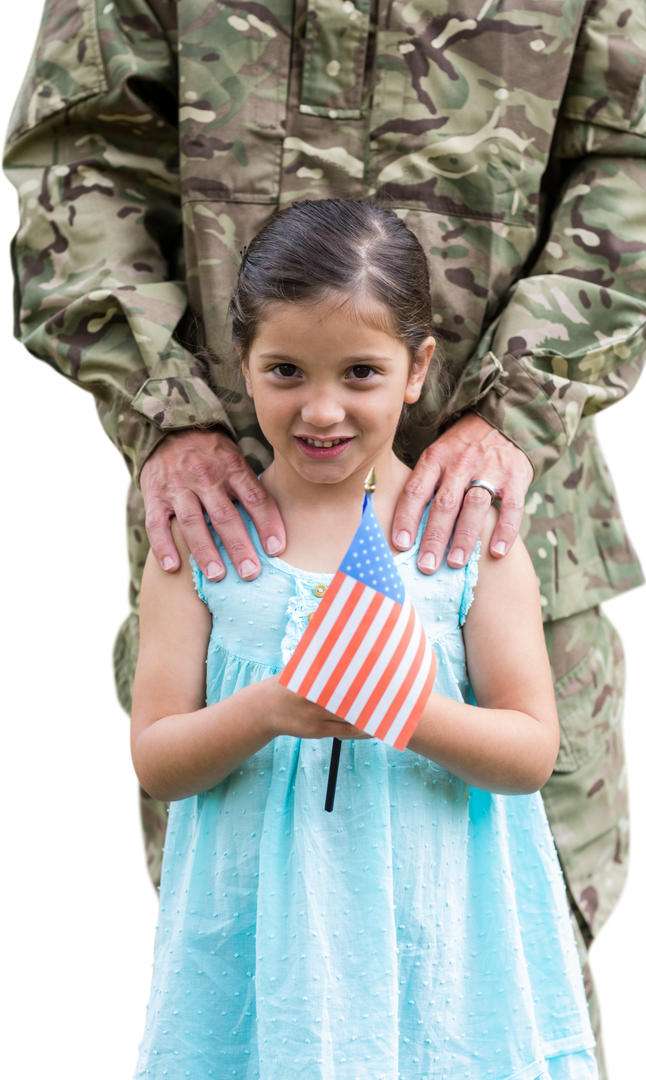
(471,449)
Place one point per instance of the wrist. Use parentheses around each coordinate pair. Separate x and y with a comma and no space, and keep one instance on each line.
(266,706)
(161,441)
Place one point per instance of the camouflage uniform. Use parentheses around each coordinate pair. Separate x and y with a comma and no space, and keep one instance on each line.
(153,138)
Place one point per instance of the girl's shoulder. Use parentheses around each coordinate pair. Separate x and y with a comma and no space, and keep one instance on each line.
(505,578)
(442,599)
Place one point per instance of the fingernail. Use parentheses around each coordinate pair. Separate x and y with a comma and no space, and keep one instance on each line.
(213,571)
(500,548)
(403,539)
(273,545)
(427,561)
(457,556)
(168,563)
(247,568)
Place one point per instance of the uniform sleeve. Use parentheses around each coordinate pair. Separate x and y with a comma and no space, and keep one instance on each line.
(93,152)
(570,338)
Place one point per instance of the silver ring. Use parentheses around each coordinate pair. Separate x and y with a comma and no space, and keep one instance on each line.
(483,484)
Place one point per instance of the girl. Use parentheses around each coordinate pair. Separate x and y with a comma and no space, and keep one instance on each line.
(421,930)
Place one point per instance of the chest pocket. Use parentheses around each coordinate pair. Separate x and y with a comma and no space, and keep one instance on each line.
(336,43)
(233,79)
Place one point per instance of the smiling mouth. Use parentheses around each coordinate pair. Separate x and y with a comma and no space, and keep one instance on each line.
(322,448)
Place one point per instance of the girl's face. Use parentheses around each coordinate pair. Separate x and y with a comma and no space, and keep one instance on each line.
(328,388)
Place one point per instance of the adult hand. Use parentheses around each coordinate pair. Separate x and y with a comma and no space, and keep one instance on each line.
(471,449)
(192,471)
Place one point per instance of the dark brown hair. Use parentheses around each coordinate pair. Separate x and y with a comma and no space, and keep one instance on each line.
(315,249)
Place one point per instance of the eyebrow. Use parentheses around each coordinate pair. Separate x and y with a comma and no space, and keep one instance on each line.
(286,359)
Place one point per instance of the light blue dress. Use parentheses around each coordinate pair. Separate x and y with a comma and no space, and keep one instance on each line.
(418,932)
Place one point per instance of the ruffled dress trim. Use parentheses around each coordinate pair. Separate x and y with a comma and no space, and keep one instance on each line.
(470,582)
(301,605)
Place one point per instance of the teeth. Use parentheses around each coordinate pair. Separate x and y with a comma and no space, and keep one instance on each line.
(316,442)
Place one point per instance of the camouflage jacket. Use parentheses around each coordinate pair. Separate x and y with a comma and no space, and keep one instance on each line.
(152,138)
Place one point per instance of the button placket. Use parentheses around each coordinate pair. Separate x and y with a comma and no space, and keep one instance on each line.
(319,592)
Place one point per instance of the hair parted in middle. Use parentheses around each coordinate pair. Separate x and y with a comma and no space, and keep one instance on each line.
(335,248)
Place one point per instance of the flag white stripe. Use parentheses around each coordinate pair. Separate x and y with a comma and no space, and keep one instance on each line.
(355,665)
(411,698)
(386,654)
(395,683)
(321,634)
(341,644)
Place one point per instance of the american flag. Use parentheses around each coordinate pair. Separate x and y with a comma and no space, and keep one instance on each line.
(365,656)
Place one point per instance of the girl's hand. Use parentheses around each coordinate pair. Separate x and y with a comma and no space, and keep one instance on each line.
(289,714)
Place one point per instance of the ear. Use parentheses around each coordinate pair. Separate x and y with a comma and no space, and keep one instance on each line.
(245,373)
(418,371)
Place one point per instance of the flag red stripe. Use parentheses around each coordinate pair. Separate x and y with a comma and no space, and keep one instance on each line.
(303,645)
(404,737)
(350,649)
(369,663)
(402,693)
(330,640)
(378,691)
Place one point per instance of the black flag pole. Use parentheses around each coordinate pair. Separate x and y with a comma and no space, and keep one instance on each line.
(332,775)
(368,487)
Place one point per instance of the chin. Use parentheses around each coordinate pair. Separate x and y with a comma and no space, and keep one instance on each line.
(322,474)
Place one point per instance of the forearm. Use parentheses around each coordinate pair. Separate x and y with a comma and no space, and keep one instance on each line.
(182,755)
(569,341)
(100,290)
(499,750)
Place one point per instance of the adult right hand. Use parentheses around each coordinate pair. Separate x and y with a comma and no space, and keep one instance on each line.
(193,471)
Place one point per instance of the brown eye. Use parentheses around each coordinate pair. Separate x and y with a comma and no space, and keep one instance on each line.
(286,370)
(361,371)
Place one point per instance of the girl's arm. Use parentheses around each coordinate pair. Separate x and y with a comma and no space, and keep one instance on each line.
(179,746)
(510,742)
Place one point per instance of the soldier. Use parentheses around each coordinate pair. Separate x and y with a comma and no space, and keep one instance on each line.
(152,139)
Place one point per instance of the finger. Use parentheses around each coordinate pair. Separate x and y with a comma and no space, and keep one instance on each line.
(190,518)
(441,520)
(158,516)
(230,527)
(512,505)
(260,506)
(475,507)
(413,501)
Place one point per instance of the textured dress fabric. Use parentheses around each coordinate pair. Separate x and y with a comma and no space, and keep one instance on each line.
(418,932)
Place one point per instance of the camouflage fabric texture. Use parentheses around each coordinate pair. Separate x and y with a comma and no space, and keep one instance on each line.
(153,138)
(586,798)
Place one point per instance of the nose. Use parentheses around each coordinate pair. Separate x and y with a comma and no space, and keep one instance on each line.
(323,408)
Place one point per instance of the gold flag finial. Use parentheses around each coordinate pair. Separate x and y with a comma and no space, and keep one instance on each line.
(371,481)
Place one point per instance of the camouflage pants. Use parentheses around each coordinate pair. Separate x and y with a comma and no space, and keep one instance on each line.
(586,797)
